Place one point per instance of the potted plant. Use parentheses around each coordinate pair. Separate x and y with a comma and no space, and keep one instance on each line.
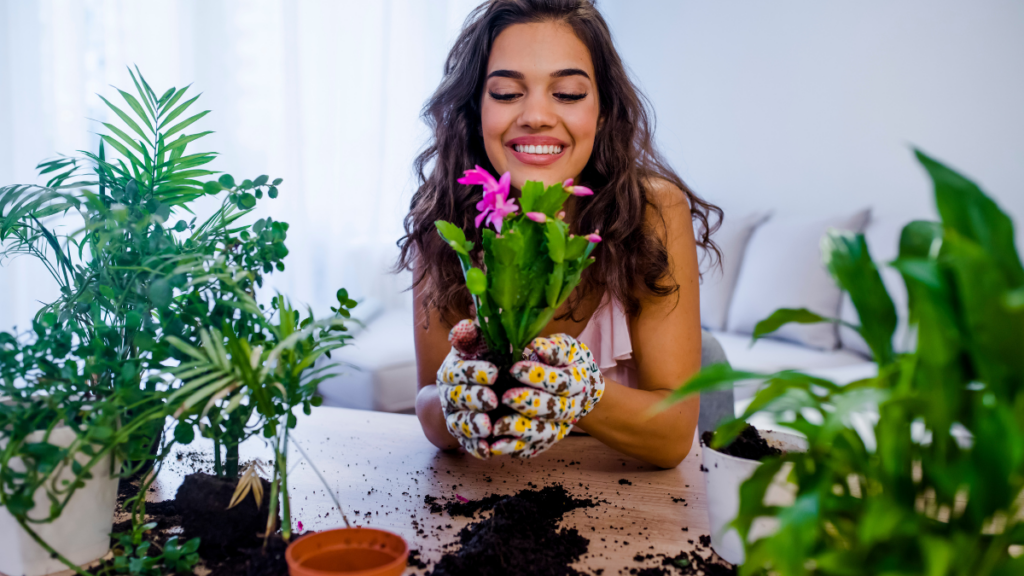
(88,390)
(530,265)
(929,478)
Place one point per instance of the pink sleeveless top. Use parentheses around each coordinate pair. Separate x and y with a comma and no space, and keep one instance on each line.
(607,336)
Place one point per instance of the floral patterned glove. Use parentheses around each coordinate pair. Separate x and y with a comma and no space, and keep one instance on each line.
(463,383)
(563,383)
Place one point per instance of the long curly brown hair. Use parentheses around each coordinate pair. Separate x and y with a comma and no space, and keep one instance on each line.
(624,163)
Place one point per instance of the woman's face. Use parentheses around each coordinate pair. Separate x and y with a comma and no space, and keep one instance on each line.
(539,110)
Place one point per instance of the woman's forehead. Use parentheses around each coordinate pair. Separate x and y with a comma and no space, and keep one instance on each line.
(539,49)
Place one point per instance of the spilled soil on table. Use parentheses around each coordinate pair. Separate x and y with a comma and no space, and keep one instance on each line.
(522,536)
(749,445)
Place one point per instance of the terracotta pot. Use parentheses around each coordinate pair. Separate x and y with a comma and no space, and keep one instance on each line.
(348,551)
(722,484)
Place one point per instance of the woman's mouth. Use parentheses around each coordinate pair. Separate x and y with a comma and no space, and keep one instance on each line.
(530,149)
(537,154)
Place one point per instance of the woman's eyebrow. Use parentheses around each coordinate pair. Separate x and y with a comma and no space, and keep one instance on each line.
(570,72)
(515,75)
(507,74)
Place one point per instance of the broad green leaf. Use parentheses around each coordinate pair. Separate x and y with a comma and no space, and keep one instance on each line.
(227,181)
(556,240)
(966,209)
(784,316)
(184,433)
(848,259)
(530,193)
(476,281)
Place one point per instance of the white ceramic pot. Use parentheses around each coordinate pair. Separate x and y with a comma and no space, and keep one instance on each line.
(81,533)
(722,485)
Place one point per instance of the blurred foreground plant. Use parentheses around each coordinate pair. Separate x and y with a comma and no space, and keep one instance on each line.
(919,470)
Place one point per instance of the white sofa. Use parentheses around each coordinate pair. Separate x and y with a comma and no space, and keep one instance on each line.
(768,262)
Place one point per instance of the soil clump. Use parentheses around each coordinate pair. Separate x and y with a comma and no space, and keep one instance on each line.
(520,537)
(749,445)
(202,502)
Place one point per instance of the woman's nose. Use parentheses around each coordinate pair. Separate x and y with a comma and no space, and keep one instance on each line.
(538,112)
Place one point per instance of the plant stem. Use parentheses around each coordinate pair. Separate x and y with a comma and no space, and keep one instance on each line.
(282,461)
(231,462)
(216,457)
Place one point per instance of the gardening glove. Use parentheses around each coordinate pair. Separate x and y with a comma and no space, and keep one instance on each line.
(463,383)
(563,383)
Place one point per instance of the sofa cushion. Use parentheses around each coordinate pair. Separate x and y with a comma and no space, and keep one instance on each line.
(718,281)
(770,355)
(783,268)
(883,237)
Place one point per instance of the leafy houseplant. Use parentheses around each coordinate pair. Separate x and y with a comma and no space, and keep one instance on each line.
(933,484)
(531,262)
(139,298)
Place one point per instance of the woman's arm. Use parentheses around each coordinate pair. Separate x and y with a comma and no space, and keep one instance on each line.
(666,348)
(431,336)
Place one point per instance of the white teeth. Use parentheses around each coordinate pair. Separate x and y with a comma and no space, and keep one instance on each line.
(532,149)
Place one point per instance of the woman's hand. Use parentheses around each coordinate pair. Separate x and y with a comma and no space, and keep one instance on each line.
(463,384)
(563,383)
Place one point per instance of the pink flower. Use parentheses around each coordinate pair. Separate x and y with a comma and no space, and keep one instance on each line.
(539,217)
(593,237)
(495,204)
(300,526)
(576,190)
(462,498)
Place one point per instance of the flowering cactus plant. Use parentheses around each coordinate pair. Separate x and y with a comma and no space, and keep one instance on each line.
(531,262)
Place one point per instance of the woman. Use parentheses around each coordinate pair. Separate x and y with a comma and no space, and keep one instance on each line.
(536,88)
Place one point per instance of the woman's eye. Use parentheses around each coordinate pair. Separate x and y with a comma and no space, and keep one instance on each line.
(570,97)
(504,97)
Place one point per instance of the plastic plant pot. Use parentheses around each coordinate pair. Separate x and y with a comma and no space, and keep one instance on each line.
(81,533)
(722,483)
(348,551)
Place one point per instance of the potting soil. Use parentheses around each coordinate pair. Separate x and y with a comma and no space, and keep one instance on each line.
(748,445)
(520,537)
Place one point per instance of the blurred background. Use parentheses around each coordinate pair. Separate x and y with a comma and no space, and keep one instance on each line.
(799,107)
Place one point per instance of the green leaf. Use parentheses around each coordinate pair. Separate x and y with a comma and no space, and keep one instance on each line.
(476,281)
(246,201)
(966,209)
(260,180)
(226,181)
(715,377)
(137,108)
(556,240)
(185,124)
(848,259)
(179,110)
(178,146)
(272,192)
(127,119)
(277,181)
(530,193)
(784,316)
(160,293)
(184,432)
(174,100)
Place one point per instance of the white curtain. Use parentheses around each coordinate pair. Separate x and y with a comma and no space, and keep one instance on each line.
(323,93)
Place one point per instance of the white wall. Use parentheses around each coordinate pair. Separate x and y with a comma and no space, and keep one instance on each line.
(808,106)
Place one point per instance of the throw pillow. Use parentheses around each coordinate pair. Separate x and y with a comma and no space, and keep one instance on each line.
(718,281)
(783,268)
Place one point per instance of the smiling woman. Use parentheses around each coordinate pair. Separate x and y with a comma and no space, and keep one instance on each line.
(535,89)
